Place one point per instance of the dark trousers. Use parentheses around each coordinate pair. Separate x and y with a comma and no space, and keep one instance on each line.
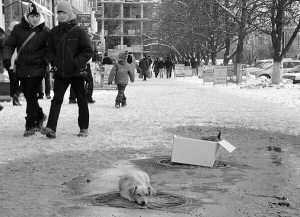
(59,89)
(121,98)
(34,112)
(15,87)
(89,83)
(47,85)
(169,72)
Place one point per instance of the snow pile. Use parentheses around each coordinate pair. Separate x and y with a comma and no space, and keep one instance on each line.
(251,82)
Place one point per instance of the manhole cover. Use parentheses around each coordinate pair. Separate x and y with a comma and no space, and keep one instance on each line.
(167,162)
(161,200)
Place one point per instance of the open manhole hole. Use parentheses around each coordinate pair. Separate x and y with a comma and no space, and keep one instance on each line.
(169,163)
(161,200)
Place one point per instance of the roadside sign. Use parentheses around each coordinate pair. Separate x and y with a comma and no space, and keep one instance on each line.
(200,72)
(220,75)
(179,70)
(208,73)
(84,20)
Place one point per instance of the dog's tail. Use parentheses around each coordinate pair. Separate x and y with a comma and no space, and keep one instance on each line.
(219,135)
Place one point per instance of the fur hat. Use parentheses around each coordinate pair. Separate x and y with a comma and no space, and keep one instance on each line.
(65,7)
(32,9)
(123,56)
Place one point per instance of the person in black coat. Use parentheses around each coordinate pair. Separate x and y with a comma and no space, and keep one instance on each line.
(68,57)
(155,67)
(144,66)
(169,65)
(31,64)
(161,66)
(106,60)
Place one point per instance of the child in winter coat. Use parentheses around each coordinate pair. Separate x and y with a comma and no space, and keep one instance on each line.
(119,73)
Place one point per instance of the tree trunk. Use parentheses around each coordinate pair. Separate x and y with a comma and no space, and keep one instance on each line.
(277,72)
(240,44)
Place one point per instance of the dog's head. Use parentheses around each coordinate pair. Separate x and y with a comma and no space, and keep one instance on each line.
(140,193)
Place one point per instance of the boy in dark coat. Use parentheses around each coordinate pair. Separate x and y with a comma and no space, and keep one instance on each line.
(119,73)
(68,59)
(31,64)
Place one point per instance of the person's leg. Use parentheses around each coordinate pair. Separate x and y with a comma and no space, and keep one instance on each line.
(83,116)
(59,89)
(90,84)
(32,109)
(47,85)
(119,96)
(40,91)
(145,76)
(72,98)
(124,99)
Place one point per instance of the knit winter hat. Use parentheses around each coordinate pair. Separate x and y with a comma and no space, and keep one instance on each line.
(32,9)
(123,56)
(65,7)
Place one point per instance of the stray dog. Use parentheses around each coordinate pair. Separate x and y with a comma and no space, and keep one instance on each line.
(135,186)
(213,138)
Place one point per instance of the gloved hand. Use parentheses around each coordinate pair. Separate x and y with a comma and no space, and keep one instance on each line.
(109,83)
(6,64)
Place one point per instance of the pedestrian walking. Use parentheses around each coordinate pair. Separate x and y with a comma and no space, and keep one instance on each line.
(2,40)
(119,74)
(14,82)
(30,38)
(161,66)
(131,61)
(155,67)
(169,65)
(194,67)
(68,50)
(144,66)
(149,61)
(106,60)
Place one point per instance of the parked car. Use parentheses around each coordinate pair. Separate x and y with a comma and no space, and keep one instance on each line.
(260,64)
(293,74)
(287,64)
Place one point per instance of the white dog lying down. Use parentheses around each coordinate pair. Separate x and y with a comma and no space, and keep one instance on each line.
(135,186)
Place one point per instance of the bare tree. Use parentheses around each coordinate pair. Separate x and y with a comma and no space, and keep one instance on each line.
(278,15)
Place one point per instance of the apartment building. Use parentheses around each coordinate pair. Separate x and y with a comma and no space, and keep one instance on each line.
(126,24)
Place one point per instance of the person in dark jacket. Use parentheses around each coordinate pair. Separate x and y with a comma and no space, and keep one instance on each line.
(68,59)
(106,60)
(119,74)
(155,67)
(169,65)
(14,83)
(144,66)
(31,64)
(161,66)
(194,66)
(149,61)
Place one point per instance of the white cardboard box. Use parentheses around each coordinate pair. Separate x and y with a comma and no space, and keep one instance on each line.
(197,152)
